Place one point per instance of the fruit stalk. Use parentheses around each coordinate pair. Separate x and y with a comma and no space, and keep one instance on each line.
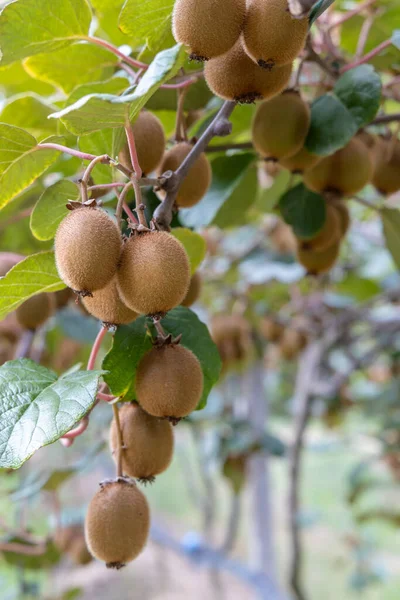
(103,158)
(120,442)
(220,126)
(130,61)
(121,202)
(96,348)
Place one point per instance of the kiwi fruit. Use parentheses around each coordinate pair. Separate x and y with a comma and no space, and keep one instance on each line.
(386,177)
(148,443)
(292,342)
(71,540)
(106,305)
(232,336)
(209,28)
(317,263)
(35,311)
(344,216)
(272,37)
(280,125)
(197,181)
(154,272)
(149,141)
(271,329)
(87,249)
(282,238)
(117,523)
(194,290)
(79,552)
(234,76)
(169,381)
(8,260)
(301,161)
(330,233)
(63,297)
(346,171)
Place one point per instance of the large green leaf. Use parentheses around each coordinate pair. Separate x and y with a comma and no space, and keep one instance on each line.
(36,408)
(115,85)
(268,198)
(228,173)
(51,208)
(332,126)
(98,111)
(360,90)
(100,142)
(30,112)
(303,210)
(14,143)
(234,210)
(33,275)
(130,343)
(194,244)
(147,21)
(30,27)
(391,230)
(78,64)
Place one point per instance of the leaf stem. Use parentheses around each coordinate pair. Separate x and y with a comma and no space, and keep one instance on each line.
(132,149)
(103,158)
(367,56)
(96,347)
(71,151)
(78,430)
(121,201)
(130,61)
(119,440)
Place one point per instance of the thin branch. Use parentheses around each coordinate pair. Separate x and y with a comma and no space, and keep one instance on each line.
(130,61)
(120,441)
(132,149)
(351,13)
(364,33)
(386,119)
(312,56)
(121,202)
(366,203)
(102,159)
(139,202)
(226,147)
(367,57)
(220,126)
(38,550)
(71,151)
(24,345)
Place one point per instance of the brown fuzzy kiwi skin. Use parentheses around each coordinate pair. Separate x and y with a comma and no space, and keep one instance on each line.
(196,183)
(232,336)
(149,141)
(386,177)
(106,305)
(292,342)
(280,125)
(169,381)
(271,329)
(71,540)
(317,263)
(209,28)
(346,171)
(87,249)
(154,273)
(344,216)
(330,233)
(272,37)
(35,311)
(301,161)
(148,443)
(8,260)
(117,523)
(234,76)
(63,297)
(194,290)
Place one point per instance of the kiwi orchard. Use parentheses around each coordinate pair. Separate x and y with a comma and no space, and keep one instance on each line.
(200,227)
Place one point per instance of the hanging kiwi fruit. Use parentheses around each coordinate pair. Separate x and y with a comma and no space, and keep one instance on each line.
(194,290)
(35,311)
(106,305)
(149,141)
(386,177)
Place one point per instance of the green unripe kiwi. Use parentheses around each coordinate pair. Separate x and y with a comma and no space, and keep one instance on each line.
(117,523)
(35,311)
(149,141)
(386,177)
(346,172)
(330,233)
(148,443)
(106,305)
(301,161)
(87,249)
(272,37)
(317,263)
(280,125)
(154,272)
(194,290)
(209,28)
(169,381)
(197,181)
(344,216)
(234,76)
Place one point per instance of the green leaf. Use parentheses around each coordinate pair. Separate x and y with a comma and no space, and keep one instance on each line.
(36,409)
(304,210)
(332,126)
(358,287)
(268,198)
(360,91)
(100,142)
(30,27)
(391,229)
(21,161)
(33,275)
(318,8)
(115,86)
(30,112)
(228,173)
(196,337)
(98,111)
(51,208)
(234,210)
(194,243)
(148,21)
(77,64)
(130,343)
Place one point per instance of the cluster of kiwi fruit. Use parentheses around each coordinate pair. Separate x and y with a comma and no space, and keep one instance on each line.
(233,338)
(289,339)
(150,145)
(248,46)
